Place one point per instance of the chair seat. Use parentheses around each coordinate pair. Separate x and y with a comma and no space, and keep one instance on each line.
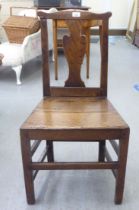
(74,113)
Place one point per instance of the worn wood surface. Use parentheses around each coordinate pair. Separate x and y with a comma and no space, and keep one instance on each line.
(74,112)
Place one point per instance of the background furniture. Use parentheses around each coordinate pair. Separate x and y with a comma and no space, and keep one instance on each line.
(63,5)
(60,24)
(15,55)
(60,4)
(74,112)
(136,38)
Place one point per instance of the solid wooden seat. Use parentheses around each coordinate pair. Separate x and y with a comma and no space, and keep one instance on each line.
(74,112)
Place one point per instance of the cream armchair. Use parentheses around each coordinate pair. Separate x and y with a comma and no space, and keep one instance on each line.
(15,55)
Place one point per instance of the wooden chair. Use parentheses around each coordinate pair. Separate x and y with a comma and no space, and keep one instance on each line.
(74,112)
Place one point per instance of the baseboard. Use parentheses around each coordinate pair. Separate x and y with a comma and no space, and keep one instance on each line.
(112,32)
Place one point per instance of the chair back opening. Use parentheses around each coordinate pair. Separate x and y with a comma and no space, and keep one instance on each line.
(74,45)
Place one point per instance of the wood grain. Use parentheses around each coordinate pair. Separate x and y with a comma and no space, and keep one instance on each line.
(75,113)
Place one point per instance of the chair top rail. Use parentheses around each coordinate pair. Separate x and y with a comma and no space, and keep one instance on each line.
(73,14)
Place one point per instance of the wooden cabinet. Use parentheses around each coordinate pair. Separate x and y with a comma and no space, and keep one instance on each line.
(48,3)
(59,4)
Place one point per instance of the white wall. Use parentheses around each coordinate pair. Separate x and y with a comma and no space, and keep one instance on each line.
(120,10)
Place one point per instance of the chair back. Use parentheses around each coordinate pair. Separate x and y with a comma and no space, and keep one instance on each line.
(74,45)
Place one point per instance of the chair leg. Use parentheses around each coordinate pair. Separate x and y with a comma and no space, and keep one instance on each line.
(55,49)
(17,70)
(120,179)
(28,173)
(87,34)
(50,154)
(101,155)
(87,52)
(100,31)
(53,57)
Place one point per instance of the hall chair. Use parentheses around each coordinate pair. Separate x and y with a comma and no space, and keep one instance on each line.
(74,112)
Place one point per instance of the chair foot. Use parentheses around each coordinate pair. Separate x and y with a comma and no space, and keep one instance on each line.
(17,70)
(120,178)
(31,202)
(118,202)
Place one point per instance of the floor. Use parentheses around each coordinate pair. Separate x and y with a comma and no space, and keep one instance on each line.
(66,190)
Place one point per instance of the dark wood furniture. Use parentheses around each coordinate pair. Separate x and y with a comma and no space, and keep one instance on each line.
(74,112)
(136,30)
(63,5)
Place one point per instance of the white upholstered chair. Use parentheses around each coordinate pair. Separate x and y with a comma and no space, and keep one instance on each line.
(15,55)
